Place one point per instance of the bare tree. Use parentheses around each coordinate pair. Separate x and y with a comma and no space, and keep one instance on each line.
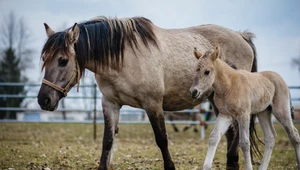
(16,35)
(14,59)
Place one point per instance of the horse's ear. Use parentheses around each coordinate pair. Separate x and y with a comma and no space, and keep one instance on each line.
(49,31)
(197,53)
(73,34)
(215,54)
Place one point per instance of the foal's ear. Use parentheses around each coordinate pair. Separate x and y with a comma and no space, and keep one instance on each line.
(73,34)
(49,31)
(215,54)
(197,53)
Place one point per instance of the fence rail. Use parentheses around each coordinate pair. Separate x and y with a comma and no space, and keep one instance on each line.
(93,110)
(93,97)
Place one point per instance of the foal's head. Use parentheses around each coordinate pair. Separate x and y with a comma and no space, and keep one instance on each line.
(205,72)
(58,55)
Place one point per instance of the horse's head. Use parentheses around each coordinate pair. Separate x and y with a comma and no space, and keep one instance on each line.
(61,67)
(205,72)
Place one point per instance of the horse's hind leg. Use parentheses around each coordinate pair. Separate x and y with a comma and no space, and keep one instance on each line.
(244,121)
(157,121)
(223,122)
(282,113)
(111,113)
(269,136)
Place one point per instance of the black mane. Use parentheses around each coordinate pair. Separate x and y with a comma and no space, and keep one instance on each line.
(103,40)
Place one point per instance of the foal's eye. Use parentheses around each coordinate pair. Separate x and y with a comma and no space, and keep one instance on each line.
(62,62)
(198,69)
(206,73)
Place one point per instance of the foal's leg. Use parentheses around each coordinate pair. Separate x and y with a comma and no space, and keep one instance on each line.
(232,137)
(111,113)
(157,121)
(223,122)
(243,122)
(282,113)
(269,136)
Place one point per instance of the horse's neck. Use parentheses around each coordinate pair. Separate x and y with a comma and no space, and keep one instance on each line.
(223,79)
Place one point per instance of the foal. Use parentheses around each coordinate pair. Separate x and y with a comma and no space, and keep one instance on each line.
(237,95)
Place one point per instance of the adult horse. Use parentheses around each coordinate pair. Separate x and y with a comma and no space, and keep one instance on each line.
(139,64)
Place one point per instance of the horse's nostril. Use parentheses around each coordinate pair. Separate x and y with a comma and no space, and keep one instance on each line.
(47,101)
(194,92)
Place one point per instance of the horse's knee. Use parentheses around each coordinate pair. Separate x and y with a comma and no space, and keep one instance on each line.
(162,141)
(213,139)
(108,141)
(269,142)
(245,145)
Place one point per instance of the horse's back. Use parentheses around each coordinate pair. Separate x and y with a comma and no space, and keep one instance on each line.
(264,87)
(235,50)
(281,88)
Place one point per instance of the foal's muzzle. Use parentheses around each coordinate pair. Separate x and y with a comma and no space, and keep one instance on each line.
(195,93)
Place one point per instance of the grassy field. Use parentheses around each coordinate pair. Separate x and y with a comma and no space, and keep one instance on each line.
(71,146)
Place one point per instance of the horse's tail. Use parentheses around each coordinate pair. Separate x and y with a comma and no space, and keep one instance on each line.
(248,36)
(292,108)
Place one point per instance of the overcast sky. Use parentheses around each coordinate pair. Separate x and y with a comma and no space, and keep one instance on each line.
(275,23)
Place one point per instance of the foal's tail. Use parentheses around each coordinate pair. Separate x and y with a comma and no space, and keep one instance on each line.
(248,36)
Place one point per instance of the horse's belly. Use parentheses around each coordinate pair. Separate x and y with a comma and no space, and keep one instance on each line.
(179,104)
(263,100)
(180,101)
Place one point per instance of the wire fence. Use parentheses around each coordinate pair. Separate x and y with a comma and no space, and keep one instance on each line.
(93,95)
(91,107)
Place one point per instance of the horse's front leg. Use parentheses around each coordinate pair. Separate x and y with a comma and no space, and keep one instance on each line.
(232,137)
(156,117)
(111,113)
(223,123)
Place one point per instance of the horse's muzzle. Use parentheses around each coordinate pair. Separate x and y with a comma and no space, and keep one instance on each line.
(195,93)
(47,100)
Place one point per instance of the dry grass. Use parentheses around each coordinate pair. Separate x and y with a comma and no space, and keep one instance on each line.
(70,146)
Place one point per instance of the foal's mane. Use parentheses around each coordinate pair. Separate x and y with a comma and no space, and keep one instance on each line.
(102,40)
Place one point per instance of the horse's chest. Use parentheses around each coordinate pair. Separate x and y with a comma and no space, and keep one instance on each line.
(229,106)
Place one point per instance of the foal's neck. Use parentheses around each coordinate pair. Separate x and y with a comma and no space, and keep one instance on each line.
(224,75)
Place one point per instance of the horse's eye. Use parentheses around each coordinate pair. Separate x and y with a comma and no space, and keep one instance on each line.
(206,73)
(198,69)
(62,62)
